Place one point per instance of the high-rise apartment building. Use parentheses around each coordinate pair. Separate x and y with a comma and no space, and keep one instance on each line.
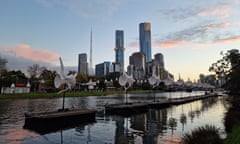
(158,58)
(82,64)
(145,40)
(137,67)
(119,49)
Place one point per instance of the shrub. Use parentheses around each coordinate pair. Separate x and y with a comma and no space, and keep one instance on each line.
(203,135)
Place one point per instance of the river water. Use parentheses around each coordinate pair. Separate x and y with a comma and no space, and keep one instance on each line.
(157,126)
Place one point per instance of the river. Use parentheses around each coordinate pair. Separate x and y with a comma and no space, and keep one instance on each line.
(157,126)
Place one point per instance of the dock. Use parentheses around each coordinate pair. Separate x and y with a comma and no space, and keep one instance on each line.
(60,119)
(134,108)
(126,109)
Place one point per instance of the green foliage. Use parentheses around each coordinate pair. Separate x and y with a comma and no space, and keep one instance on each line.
(53,95)
(234,136)
(203,135)
(48,77)
(81,78)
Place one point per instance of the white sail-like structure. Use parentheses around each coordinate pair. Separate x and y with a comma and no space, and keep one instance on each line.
(60,79)
(154,80)
(125,80)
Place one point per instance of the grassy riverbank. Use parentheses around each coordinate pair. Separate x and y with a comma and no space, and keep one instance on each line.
(68,94)
(232,121)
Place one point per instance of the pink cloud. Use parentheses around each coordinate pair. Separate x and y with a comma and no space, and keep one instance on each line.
(27,52)
(220,25)
(229,40)
(167,44)
(222,11)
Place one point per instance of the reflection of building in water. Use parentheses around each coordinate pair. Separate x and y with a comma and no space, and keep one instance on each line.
(122,135)
(183,119)
(152,124)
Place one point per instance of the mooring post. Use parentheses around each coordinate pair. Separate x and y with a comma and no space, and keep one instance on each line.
(64,93)
(126,96)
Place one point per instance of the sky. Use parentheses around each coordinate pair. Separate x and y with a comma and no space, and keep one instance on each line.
(189,33)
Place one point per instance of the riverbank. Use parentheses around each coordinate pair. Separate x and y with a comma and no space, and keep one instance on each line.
(67,94)
(232,121)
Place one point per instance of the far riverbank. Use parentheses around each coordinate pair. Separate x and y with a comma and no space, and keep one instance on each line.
(68,94)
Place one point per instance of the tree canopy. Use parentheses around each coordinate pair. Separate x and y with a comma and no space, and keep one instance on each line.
(228,68)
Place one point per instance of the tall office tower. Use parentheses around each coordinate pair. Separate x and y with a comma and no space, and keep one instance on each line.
(145,40)
(119,57)
(82,64)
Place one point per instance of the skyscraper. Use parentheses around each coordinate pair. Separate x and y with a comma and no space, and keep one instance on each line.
(90,72)
(145,40)
(158,58)
(119,57)
(82,64)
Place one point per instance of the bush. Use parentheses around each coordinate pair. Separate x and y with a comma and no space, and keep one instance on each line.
(203,135)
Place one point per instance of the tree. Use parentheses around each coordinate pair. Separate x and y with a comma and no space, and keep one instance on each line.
(48,77)
(82,78)
(228,68)
(3,63)
(34,72)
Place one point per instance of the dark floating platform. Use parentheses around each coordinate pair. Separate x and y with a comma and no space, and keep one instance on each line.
(47,122)
(159,104)
(126,109)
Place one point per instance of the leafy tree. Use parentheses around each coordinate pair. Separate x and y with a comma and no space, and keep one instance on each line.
(9,77)
(48,77)
(228,68)
(81,78)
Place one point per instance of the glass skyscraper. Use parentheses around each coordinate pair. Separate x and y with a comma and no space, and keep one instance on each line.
(82,64)
(119,57)
(145,40)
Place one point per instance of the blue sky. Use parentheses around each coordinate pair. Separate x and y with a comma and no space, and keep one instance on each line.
(189,33)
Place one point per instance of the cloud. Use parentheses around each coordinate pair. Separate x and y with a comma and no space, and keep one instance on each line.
(217,10)
(200,35)
(167,44)
(219,25)
(220,10)
(27,52)
(229,40)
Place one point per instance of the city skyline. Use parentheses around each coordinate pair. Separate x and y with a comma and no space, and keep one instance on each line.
(190,34)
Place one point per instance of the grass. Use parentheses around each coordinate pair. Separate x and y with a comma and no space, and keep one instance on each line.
(234,136)
(68,94)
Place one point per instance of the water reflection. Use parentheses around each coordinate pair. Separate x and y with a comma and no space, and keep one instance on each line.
(155,126)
